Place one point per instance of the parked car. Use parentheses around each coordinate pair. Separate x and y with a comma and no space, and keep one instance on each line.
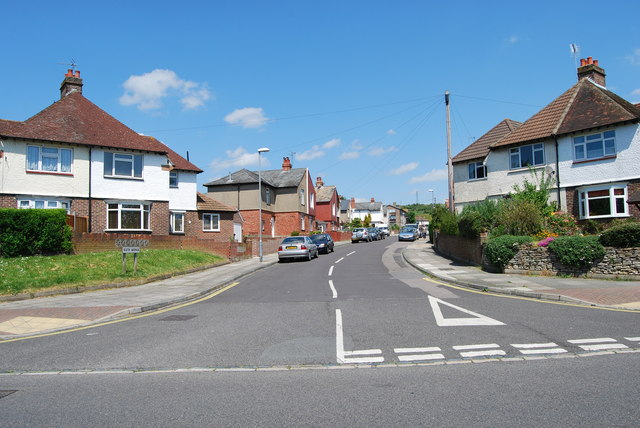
(294,247)
(374,233)
(324,242)
(408,233)
(384,230)
(360,234)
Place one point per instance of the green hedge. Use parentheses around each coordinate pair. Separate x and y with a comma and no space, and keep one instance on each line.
(622,236)
(34,231)
(502,249)
(579,251)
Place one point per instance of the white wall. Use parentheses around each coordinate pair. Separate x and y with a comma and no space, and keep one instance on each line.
(14,178)
(184,196)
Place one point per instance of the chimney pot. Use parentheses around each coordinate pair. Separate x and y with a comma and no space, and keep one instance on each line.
(71,83)
(589,60)
(583,62)
(590,69)
(78,74)
(373,199)
(286,164)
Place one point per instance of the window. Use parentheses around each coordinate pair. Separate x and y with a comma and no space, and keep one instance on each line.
(603,201)
(173,178)
(211,222)
(477,170)
(268,196)
(128,216)
(49,159)
(313,200)
(177,222)
(521,157)
(122,165)
(302,223)
(301,196)
(594,146)
(49,204)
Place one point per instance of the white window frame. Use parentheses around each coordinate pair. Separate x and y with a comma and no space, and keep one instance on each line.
(302,223)
(267,193)
(302,198)
(43,203)
(111,158)
(616,196)
(177,215)
(53,153)
(211,217)
(516,152)
(606,142)
(474,168)
(173,178)
(312,202)
(121,207)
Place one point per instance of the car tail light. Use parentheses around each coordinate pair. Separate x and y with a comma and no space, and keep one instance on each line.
(303,247)
(280,248)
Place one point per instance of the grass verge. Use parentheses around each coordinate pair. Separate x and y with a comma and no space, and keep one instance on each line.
(40,273)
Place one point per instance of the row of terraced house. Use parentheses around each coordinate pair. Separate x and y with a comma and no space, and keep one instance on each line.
(75,156)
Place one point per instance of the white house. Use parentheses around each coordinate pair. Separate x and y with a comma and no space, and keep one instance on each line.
(377,210)
(588,139)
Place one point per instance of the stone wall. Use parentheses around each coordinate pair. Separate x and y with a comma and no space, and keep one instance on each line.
(621,263)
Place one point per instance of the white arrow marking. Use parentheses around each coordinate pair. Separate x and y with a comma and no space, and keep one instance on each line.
(448,322)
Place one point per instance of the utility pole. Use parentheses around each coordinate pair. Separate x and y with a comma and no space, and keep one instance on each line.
(449,163)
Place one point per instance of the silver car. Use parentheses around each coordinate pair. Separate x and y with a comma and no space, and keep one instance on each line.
(297,247)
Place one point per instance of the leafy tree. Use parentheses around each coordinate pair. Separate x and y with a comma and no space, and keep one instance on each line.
(411,217)
(356,222)
(367,220)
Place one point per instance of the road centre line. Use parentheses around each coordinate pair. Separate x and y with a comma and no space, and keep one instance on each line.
(331,270)
(334,292)
(348,254)
(339,260)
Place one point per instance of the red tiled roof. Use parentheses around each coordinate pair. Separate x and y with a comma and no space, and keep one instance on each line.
(480,148)
(584,106)
(178,161)
(206,203)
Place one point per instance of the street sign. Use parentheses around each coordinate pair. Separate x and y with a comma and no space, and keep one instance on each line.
(130,250)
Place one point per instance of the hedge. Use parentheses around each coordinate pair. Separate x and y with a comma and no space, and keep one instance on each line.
(502,249)
(622,236)
(34,231)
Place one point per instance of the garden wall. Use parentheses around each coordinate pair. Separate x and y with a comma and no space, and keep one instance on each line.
(457,247)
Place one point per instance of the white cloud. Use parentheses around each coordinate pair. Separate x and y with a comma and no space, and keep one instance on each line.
(349,155)
(379,151)
(238,158)
(433,175)
(331,143)
(248,117)
(391,132)
(512,40)
(146,91)
(634,58)
(404,168)
(313,153)
(355,145)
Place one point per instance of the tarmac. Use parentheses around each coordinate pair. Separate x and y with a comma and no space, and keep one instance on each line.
(44,315)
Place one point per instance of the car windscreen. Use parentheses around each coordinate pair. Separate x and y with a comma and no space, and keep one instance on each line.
(407,230)
(294,240)
(317,238)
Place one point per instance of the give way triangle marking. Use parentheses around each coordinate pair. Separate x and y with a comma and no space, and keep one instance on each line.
(475,319)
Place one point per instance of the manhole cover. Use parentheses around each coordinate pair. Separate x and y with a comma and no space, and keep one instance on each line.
(7,392)
(178,318)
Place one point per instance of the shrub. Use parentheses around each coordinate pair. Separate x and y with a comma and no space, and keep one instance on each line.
(591,227)
(520,217)
(444,220)
(477,218)
(34,231)
(561,223)
(502,249)
(295,233)
(622,236)
(578,251)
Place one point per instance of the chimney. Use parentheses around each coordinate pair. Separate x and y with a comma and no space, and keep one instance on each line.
(373,200)
(319,182)
(71,83)
(286,164)
(353,202)
(590,69)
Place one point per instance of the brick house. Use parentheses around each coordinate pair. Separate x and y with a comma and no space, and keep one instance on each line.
(73,155)
(327,207)
(396,215)
(288,199)
(587,139)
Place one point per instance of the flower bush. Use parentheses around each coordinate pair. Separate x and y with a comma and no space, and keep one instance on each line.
(546,241)
(562,223)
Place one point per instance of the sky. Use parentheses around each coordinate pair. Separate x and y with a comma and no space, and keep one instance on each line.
(351,90)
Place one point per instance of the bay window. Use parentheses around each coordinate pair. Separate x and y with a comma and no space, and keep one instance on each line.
(603,201)
(128,216)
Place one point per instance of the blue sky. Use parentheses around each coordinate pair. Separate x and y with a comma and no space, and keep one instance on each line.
(353,90)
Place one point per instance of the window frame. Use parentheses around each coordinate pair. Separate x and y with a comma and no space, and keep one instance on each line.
(267,196)
(41,155)
(144,208)
(536,147)
(172,220)
(32,203)
(136,161)
(174,178)
(302,198)
(476,167)
(616,200)
(211,216)
(583,141)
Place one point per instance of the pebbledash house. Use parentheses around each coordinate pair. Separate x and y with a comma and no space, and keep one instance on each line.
(75,156)
(587,139)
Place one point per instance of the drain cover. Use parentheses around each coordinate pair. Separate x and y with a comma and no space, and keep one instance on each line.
(178,318)
(7,392)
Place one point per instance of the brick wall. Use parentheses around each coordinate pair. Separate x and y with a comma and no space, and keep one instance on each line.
(460,248)
(8,201)
(193,226)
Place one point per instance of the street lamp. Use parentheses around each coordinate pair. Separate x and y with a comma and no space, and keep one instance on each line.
(432,201)
(260,151)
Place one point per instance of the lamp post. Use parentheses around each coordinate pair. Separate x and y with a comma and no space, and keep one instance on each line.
(260,151)
(432,203)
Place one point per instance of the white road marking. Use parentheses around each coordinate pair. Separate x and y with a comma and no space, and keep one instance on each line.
(340,352)
(413,350)
(334,292)
(448,322)
(419,354)
(331,270)
(350,253)
(633,339)
(488,353)
(421,357)
(598,344)
(339,260)
(482,346)
(538,348)
(363,352)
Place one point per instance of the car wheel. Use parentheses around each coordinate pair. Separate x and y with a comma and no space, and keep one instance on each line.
(310,256)
(317,253)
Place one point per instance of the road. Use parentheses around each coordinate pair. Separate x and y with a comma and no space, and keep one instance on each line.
(308,330)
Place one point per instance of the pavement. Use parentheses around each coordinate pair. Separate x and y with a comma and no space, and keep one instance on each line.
(42,315)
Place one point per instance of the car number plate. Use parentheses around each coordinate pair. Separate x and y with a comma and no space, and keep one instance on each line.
(292,247)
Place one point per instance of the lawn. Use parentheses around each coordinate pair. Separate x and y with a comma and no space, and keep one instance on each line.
(38,273)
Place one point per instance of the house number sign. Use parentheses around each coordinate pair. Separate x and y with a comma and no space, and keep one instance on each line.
(131,246)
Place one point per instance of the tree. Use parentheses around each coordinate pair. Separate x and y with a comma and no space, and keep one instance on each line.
(411,217)
(356,222)
(367,220)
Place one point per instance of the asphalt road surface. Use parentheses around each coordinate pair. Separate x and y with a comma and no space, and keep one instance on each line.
(355,337)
